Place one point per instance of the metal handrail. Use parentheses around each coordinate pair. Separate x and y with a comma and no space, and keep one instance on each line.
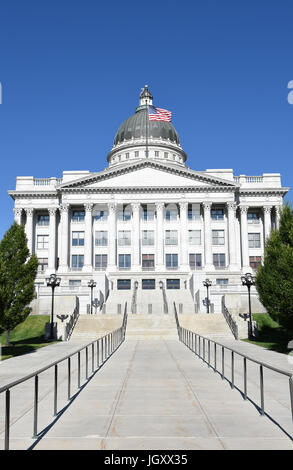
(105,347)
(197,344)
(230,320)
(164,298)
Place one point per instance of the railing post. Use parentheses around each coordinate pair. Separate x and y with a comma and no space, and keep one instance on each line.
(199,338)
(209,352)
(78,369)
(93,358)
(261,390)
(36,397)
(204,348)
(195,344)
(223,364)
(7,419)
(215,356)
(55,388)
(69,379)
(291,393)
(98,359)
(102,347)
(86,363)
(245,377)
(232,369)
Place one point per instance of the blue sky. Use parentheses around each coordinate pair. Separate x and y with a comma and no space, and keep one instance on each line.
(71,73)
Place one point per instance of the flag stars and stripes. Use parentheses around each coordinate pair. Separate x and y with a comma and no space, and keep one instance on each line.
(159,114)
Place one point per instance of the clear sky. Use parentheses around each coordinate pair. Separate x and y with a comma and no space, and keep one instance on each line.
(71,73)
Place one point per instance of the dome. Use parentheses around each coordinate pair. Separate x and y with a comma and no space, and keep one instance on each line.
(135,128)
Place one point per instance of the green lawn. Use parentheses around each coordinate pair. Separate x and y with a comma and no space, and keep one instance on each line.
(26,337)
(271,335)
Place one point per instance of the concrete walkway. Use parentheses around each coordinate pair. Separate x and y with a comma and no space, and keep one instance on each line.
(156,394)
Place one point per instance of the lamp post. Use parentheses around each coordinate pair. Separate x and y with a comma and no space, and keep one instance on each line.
(249,280)
(92,284)
(52,281)
(207,283)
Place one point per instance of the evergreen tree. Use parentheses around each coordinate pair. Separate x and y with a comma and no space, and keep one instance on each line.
(17,275)
(274,279)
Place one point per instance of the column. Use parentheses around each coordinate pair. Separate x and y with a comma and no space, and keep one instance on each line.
(52,239)
(277,212)
(244,238)
(135,261)
(231,206)
(208,236)
(183,237)
(160,236)
(17,215)
(29,228)
(112,236)
(64,211)
(267,220)
(88,238)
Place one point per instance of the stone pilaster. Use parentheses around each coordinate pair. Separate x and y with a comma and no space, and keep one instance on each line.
(17,215)
(29,228)
(208,236)
(267,221)
(112,237)
(64,211)
(88,238)
(52,239)
(244,238)
(135,261)
(231,207)
(183,236)
(160,236)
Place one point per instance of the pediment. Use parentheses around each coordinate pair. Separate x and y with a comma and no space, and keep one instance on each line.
(147,174)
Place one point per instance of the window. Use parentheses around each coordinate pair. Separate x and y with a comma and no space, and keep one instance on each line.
(219,260)
(101,238)
(124,215)
(78,216)
(148,284)
(43,219)
(171,237)
(124,261)
(148,261)
(42,242)
(136,153)
(222,282)
(171,261)
(123,284)
(127,156)
(124,237)
(77,262)
(77,238)
(165,154)
(101,262)
(171,214)
(102,216)
(174,156)
(148,237)
(218,237)
(74,284)
(253,217)
(193,212)
(217,214)
(43,264)
(173,283)
(194,237)
(254,261)
(157,153)
(254,240)
(194,260)
(148,214)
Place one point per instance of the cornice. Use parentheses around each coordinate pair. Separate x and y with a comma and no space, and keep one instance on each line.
(33,194)
(150,189)
(263,191)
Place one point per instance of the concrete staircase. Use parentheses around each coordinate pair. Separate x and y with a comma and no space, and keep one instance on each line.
(91,327)
(151,327)
(212,325)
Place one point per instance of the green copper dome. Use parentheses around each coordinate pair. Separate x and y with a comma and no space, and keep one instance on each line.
(135,127)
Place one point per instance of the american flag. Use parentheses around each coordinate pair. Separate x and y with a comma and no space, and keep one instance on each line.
(158,114)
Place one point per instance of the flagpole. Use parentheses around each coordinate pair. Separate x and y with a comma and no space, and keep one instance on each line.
(146,129)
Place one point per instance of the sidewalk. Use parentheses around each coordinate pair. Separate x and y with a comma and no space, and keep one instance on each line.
(156,394)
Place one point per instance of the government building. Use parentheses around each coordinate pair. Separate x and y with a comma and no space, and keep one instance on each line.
(147,229)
